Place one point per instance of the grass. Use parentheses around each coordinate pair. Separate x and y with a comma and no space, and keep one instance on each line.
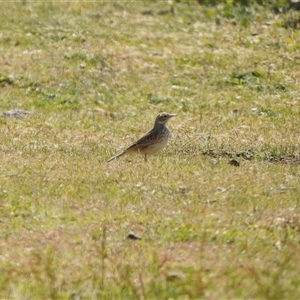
(94,75)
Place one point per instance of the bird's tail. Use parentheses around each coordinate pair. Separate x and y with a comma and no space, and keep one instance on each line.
(115,157)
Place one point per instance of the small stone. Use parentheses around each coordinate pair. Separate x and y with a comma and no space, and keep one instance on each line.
(16,113)
(132,236)
(181,190)
(171,276)
(234,162)
(278,245)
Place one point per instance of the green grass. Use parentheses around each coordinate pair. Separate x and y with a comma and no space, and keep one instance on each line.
(94,75)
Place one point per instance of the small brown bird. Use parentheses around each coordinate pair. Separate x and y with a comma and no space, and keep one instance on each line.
(153,141)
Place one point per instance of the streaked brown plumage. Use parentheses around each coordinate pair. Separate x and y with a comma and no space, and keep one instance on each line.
(153,141)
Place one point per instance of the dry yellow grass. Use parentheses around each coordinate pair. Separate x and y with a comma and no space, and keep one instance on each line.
(90,74)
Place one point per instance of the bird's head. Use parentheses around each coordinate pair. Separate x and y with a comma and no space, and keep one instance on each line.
(163,118)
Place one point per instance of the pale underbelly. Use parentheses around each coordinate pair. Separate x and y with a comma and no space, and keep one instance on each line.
(153,149)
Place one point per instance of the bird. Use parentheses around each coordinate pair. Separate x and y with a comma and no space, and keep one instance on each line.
(153,141)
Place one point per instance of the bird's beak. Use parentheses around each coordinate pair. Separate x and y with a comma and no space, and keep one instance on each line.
(172,115)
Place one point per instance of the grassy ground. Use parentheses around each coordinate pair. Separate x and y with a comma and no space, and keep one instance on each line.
(94,76)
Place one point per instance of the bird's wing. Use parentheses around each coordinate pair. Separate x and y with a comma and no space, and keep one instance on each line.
(145,140)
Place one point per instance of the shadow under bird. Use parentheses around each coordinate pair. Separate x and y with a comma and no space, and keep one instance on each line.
(153,141)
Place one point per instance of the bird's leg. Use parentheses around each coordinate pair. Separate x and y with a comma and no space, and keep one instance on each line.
(145,157)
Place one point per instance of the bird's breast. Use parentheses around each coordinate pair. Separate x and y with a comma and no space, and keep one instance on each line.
(152,149)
